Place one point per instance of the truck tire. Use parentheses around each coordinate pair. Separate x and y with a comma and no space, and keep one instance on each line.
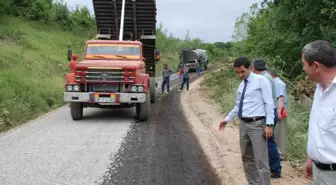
(142,109)
(152,89)
(76,110)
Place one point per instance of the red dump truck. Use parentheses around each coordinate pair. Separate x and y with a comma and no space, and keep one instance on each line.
(118,67)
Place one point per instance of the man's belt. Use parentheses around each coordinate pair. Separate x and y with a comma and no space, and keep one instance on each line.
(328,167)
(253,119)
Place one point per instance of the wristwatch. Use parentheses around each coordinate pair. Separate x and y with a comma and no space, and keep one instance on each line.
(269,125)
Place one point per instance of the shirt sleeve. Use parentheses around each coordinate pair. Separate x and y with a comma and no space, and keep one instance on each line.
(280,89)
(234,111)
(266,92)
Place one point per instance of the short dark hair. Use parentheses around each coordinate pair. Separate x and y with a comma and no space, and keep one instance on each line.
(242,61)
(259,64)
(320,51)
(273,72)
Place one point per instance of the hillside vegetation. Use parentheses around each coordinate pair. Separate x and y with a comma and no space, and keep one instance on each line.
(34,36)
(277,31)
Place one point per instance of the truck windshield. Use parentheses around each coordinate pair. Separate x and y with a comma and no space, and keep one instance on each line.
(115,51)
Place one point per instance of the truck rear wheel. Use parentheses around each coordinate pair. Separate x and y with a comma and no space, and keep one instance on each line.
(152,89)
(142,109)
(76,110)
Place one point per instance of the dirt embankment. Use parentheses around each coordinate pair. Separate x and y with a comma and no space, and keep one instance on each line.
(222,148)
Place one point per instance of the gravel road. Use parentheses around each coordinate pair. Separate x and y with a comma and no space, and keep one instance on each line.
(107,147)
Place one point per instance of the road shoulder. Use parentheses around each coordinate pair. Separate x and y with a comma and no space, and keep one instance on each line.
(222,148)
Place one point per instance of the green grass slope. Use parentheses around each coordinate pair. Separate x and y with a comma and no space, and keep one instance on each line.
(31,81)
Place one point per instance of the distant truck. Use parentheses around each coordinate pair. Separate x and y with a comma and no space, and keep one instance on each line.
(116,72)
(190,56)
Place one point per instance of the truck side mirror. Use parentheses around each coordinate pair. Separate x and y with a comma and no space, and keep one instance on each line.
(69,54)
(157,55)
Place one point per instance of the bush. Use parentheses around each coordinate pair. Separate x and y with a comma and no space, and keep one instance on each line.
(47,11)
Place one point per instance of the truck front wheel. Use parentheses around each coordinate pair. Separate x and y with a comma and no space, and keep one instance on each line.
(76,110)
(142,109)
(152,89)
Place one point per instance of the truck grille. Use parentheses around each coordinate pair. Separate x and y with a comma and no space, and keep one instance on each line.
(104,87)
(106,75)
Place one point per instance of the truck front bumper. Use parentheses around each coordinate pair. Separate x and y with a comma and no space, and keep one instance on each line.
(191,66)
(89,97)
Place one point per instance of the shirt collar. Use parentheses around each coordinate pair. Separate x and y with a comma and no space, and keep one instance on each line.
(333,82)
(250,76)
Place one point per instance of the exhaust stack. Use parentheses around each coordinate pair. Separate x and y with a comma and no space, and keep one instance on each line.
(121,32)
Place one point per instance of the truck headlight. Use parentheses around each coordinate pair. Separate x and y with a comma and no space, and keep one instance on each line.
(69,87)
(76,87)
(140,88)
(133,88)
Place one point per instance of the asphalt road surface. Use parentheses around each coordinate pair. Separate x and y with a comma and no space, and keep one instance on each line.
(106,147)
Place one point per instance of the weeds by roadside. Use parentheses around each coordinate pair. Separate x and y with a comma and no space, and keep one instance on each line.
(31,82)
(222,85)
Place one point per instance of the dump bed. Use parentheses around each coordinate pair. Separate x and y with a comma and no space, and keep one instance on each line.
(188,55)
(139,24)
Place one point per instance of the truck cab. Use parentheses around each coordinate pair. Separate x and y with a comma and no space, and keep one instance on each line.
(112,74)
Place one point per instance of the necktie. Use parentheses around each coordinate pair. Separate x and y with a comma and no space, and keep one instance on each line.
(240,111)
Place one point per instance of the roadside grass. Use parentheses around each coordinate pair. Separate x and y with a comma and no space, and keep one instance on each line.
(221,87)
(31,80)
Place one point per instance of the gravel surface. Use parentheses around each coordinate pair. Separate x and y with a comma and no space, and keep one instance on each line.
(160,152)
(56,150)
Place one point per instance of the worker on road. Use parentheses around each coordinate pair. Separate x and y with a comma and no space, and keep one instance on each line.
(198,69)
(255,109)
(259,67)
(166,77)
(185,74)
(280,129)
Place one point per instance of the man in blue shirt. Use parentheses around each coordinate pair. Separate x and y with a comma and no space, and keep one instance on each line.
(185,74)
(259,67)
(280,129)
(166,72)
(255,109)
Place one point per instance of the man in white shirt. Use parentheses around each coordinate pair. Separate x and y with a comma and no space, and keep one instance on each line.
(255,109)
(319,62)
